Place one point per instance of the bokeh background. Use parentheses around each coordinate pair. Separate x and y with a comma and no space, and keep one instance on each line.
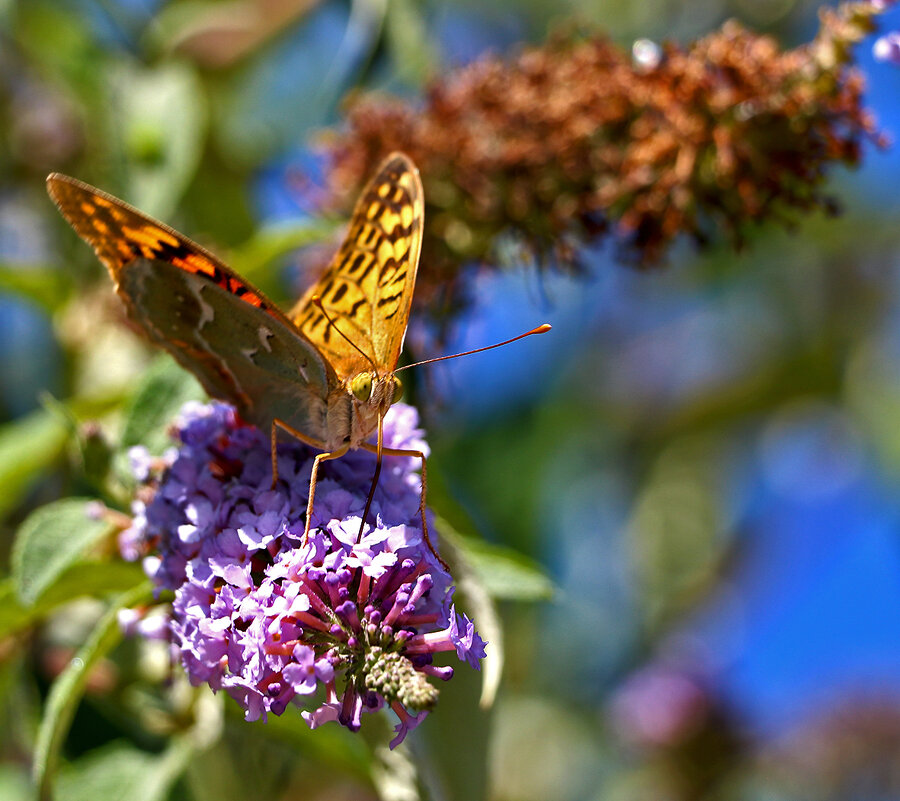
(703,459)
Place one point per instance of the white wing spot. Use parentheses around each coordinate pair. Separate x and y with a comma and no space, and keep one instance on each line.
(264,336)
(207,315)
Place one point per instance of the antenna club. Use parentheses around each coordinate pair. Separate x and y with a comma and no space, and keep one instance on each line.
(542,329)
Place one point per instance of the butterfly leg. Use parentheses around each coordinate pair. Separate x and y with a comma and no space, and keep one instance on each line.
(402,452)
(322,457)
(276,424)
(274,437)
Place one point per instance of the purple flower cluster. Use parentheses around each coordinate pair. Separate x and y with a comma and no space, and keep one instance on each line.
(338,625)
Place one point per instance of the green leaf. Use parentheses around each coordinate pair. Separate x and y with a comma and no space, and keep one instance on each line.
(413,50)
(272,242)
(13,616)
(44,286)
(394,773)
(505,574)
(68,688)
(165,388)
(490,628)
(78,580)
(481,608)
(484,573)
(31,444)
(333,747)
(63,42)
(27,447)
(121,772)
(88,442)
(59,411)
(93,579)
(50,540)
(161,157)
(14,784)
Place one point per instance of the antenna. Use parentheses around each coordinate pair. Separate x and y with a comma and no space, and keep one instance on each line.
(541,329)
(316,300)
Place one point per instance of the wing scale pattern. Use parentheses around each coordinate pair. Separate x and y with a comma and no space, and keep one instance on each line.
(368,287)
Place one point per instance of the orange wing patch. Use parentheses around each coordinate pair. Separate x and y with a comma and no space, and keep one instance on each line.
(119,234)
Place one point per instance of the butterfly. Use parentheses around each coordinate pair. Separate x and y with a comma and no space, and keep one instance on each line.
(325,370)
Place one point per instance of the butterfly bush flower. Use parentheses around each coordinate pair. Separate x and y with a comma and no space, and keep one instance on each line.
(339,626)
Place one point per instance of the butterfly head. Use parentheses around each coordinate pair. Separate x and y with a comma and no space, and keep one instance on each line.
(374,393)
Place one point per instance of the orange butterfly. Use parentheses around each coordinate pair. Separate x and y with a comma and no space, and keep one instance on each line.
(325,372)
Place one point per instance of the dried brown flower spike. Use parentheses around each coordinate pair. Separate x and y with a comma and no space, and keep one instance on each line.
(572,141)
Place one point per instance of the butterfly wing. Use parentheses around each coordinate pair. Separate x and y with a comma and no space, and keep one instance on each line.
(227,333)
(368,287)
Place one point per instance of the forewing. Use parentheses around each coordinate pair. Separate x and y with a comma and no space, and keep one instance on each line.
(120,234)
(238,344)
(368,287)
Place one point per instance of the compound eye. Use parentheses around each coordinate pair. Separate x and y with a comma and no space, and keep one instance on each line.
(398,390)
(361,386)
